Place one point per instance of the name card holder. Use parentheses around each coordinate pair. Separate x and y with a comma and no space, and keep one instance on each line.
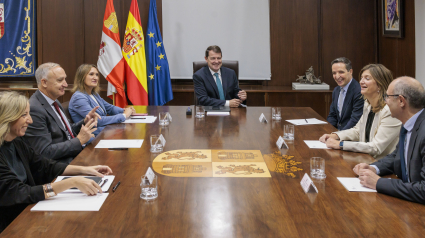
(281,143)
(308,185)
(263,118)
(162,140)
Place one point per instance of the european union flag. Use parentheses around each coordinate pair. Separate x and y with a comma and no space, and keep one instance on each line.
(159,82)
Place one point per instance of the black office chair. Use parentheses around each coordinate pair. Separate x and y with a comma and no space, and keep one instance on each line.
(231,64)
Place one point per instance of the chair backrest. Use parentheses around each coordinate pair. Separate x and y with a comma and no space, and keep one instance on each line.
(231,64)
(65,106)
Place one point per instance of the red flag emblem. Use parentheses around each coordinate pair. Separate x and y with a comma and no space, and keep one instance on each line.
(1,20)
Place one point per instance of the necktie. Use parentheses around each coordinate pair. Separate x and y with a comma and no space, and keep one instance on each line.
(340,101)
(55,104)
(219,86)
(403,133)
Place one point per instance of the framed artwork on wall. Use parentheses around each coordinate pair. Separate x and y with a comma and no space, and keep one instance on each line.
(393,18)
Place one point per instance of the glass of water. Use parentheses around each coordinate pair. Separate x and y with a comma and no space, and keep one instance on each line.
(276,113)
(200,112)
(317,168)
(149,189)
(156,145)
(164,119)
(288,132)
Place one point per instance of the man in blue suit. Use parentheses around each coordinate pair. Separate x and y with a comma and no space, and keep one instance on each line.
(347,103)
(216,85)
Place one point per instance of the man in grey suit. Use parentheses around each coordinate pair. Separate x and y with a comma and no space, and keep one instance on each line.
(51,134)
(405,98)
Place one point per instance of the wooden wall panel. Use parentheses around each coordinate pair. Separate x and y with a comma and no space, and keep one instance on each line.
(398,54)
(293,39)
(62,26)
(348,30)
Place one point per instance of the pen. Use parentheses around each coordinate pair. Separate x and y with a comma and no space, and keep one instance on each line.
(104,181)
(306,121)
(116,186)
(117,148)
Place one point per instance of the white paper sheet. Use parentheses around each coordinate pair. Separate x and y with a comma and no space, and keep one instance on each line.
(71,202)
(119,144)
(353,185)
(308,121)
(105,187)
(138,119)
(218,113)
(315,144)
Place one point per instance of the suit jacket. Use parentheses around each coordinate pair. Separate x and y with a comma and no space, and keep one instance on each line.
(206,88)
(81,104)
(352,109)
(383,136)
(47,136)
(415,189)
(16,195)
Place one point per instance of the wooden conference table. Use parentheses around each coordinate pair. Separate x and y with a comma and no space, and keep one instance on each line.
(228,207)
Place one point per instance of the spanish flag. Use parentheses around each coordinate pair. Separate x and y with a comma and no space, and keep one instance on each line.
(133,51)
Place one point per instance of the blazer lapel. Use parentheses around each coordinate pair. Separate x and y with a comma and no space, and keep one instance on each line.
(49,110)
(224,82)
(100,112)
(413,137)
(211,80)
(338,90)
(93,104)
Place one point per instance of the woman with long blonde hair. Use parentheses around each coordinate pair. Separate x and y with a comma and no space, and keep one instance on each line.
(24,175)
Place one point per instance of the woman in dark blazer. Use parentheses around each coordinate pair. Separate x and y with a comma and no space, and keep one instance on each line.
(86,97)
(24,175)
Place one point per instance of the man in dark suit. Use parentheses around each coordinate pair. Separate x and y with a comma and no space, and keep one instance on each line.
(216,85)
(51,134)
(405,98)
(347,104)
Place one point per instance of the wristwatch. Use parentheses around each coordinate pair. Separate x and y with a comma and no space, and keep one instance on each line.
(341,144)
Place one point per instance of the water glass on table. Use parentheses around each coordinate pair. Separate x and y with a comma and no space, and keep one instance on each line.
(149,190)
(317,168)
(200,112)
(288,132)
(164,119)
(276,113)
(156,145)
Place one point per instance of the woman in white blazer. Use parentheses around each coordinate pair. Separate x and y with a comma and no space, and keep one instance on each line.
(376,133)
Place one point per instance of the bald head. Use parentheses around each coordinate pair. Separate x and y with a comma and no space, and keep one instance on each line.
(411,89)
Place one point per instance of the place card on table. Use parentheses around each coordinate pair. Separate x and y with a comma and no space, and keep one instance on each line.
(263,118)
(150,175)
(281,142)
(307,184)
(162,139)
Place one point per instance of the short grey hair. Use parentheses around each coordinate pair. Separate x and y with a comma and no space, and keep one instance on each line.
(343,60)
(43,70)
(414,94)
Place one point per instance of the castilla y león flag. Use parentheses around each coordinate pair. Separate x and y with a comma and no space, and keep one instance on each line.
(133,50)
(110,62)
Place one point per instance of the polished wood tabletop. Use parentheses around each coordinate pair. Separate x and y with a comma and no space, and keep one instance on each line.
(228,207)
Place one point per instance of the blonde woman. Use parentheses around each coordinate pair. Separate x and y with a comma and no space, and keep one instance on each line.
(377,132)
(24,175)
(86,97)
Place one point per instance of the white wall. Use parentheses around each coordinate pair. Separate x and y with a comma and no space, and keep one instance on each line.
(240,27)
(420,40)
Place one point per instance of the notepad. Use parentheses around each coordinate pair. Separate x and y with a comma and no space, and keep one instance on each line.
(315,144)
(308,121)
(218,113)
(141,119)
(110,144)
(105,186)
(71,202)
(353,185)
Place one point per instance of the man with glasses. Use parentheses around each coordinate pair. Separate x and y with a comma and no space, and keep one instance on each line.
(405,97)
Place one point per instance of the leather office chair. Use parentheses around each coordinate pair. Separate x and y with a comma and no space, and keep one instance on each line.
(231,64)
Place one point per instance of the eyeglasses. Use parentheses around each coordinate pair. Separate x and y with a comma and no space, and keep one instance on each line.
(386,96)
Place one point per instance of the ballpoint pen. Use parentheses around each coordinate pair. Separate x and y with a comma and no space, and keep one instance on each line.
(104,181)
(306,121)
(116,186)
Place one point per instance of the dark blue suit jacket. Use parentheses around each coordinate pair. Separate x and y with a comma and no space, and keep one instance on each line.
(206,88)
(352,109)
(415,189)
